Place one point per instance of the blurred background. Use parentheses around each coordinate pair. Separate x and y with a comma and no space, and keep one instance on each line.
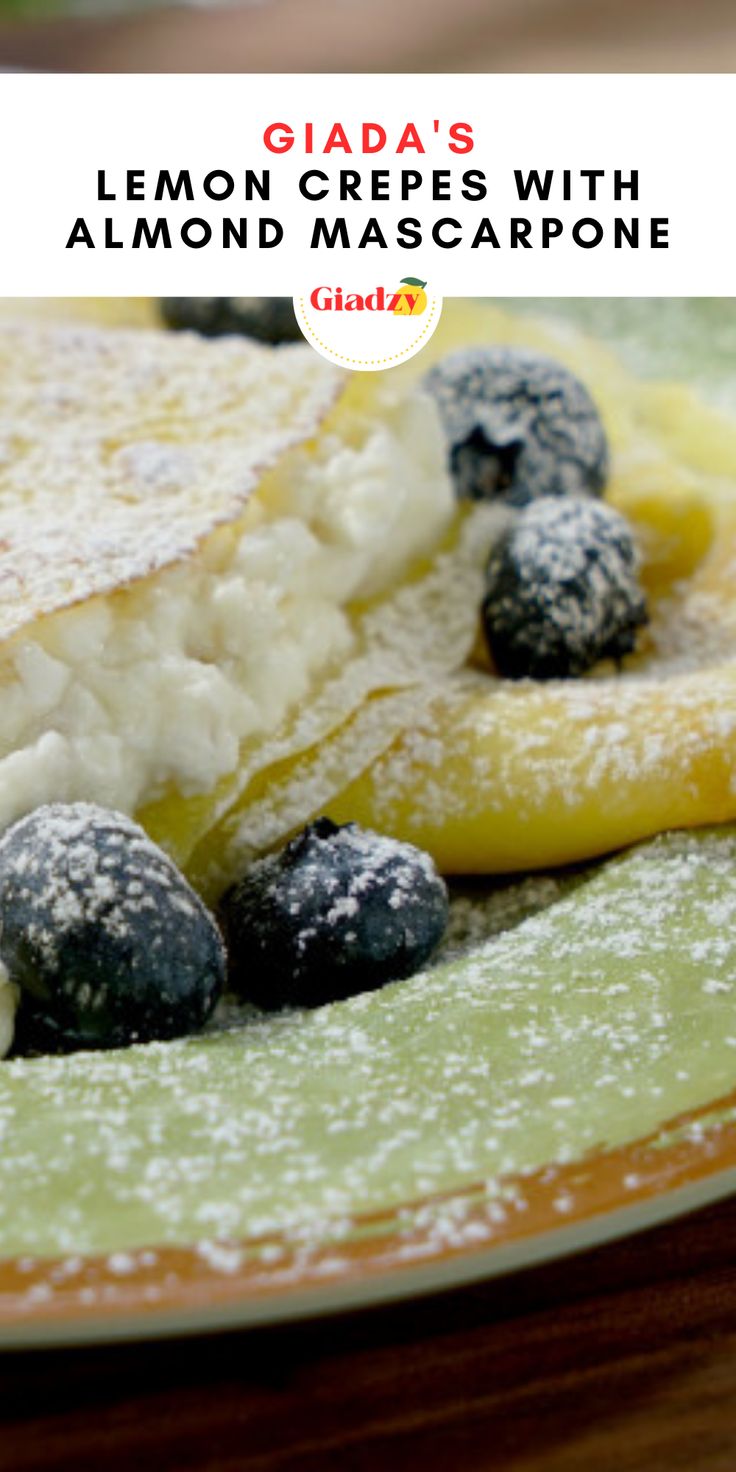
(369,35)
(677,339)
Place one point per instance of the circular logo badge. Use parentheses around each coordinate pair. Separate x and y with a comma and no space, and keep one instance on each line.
(370,323)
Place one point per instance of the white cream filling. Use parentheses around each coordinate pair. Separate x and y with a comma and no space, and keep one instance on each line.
(160,684)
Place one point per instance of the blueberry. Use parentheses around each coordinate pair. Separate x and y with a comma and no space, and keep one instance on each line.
(340,910)
(562,590)
(268,319)
(518,426)
(104,937)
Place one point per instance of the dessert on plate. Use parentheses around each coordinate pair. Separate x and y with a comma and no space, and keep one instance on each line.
(283,651)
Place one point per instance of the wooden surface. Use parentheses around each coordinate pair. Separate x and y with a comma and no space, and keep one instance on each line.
(620,1360)
(353,35)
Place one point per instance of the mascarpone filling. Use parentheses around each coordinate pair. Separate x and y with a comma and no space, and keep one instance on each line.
(157,687)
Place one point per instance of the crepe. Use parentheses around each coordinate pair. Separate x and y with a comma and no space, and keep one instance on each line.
(199,544)
(497,776)
(121,453)
(493,776)
(325,646)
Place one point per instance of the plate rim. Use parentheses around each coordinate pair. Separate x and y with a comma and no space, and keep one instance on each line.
(686,1164)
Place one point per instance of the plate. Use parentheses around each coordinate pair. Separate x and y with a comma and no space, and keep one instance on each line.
(443,1129)
(451,1242)
(424,1240)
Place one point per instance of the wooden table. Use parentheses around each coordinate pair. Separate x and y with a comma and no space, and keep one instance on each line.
(355,35)
(620,1360)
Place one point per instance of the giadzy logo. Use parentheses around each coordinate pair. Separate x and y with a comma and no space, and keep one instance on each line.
(408,300)
(354,324)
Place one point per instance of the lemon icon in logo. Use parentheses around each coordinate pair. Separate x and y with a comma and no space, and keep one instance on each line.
(411,298)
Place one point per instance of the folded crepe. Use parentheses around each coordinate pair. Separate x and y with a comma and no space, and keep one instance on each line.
(211,555)
(236,591)
(496,776)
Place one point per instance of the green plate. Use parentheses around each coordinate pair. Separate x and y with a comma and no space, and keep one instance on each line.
(564,1074)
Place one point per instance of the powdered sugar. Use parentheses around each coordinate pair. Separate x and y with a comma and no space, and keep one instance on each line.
(563,589)
(519,425)
(103,428)
(69,873)
(544,1043)
(101,932)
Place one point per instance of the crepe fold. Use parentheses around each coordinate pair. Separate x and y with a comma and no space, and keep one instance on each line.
(236,592)
(213,556)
